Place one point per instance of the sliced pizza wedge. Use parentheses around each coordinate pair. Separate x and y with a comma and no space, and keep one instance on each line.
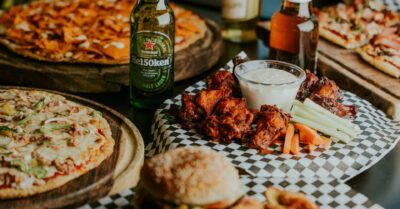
(338,24)
(383,51)
(353,25)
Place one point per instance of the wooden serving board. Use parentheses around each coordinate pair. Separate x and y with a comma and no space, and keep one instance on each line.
(354,74)
(89,78)
(119,171)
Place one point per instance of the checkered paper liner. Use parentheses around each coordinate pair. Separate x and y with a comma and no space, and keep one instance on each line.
(341,161)
(327,194)
(392,4)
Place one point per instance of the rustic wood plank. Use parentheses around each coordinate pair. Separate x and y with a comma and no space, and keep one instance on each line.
(91,78)
(350,60)
(100,181)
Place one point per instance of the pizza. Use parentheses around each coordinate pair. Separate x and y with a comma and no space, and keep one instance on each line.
(83,31)
(383,51)
(353,25)
(46,141)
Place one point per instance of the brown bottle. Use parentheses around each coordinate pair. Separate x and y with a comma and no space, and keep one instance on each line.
(294,34)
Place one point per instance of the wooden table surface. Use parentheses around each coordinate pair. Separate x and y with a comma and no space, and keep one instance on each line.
(380,183)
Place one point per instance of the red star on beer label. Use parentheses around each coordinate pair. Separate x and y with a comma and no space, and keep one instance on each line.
(149,44)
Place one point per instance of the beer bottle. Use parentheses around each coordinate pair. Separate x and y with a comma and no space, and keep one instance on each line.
(152,53)
(240,19)
(294,34)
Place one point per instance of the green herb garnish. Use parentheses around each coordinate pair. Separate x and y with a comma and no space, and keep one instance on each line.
(38,172)
(55,127)
(6,131)
(18,164)
(25,119)
(5,151)
(96,113)
(38,105)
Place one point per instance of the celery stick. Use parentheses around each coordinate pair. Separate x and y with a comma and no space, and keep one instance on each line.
(310,114)
(335,140)
(323,129)
(317,107)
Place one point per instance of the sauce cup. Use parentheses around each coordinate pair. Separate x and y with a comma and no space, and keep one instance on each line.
(269,82)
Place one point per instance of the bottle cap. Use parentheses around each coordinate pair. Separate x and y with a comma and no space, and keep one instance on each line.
(299,1)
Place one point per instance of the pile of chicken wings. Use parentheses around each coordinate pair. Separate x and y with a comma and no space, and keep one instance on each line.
(221,113)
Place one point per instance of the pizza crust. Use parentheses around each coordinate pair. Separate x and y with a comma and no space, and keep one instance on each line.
(337,40)
(29,54)
(380,64)
(200,23)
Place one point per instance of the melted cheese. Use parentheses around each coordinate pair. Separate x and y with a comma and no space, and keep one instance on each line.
(38,141)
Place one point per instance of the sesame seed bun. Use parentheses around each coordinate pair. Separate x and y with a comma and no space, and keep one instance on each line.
(193,176)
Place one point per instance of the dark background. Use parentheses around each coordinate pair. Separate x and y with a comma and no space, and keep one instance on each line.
(268,7)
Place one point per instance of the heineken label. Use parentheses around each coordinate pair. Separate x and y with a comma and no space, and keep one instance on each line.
(151,61)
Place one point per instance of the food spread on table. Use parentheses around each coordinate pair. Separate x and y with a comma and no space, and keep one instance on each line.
(367,26)
(83,31)
(47,141)
(193,177)
(221,113)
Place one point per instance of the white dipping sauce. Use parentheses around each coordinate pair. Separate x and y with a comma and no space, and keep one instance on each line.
(271,87)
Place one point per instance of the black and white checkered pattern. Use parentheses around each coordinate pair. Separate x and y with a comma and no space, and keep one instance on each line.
(121,200)
(328,194)
(341,161)
(392,4)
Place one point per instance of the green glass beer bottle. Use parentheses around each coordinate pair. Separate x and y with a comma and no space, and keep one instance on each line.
(152,53)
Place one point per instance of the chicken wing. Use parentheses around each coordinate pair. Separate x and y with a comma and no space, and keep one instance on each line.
(335,107)
(281,199)
(271,123)
(326,88)
(223,80)
(230,121)
(307,86)
(207,99)
(189,113)
(326,93)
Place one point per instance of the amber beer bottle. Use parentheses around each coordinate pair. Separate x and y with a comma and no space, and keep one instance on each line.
(294,34)
(152,53)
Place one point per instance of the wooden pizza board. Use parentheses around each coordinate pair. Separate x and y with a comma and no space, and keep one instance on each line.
(90,78)
(354,74)
(118,172)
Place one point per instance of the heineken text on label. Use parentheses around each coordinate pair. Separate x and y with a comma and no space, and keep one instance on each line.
(151,61)
(151,70)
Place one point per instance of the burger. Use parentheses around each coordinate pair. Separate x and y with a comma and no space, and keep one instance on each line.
(191,178)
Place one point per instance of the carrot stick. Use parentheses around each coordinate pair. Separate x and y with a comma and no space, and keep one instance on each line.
(288,139)
(326,142)
(294,149)
(308,134)
(310,147)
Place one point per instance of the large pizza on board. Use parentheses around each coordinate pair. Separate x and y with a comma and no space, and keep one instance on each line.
(83,31)
(46,141)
